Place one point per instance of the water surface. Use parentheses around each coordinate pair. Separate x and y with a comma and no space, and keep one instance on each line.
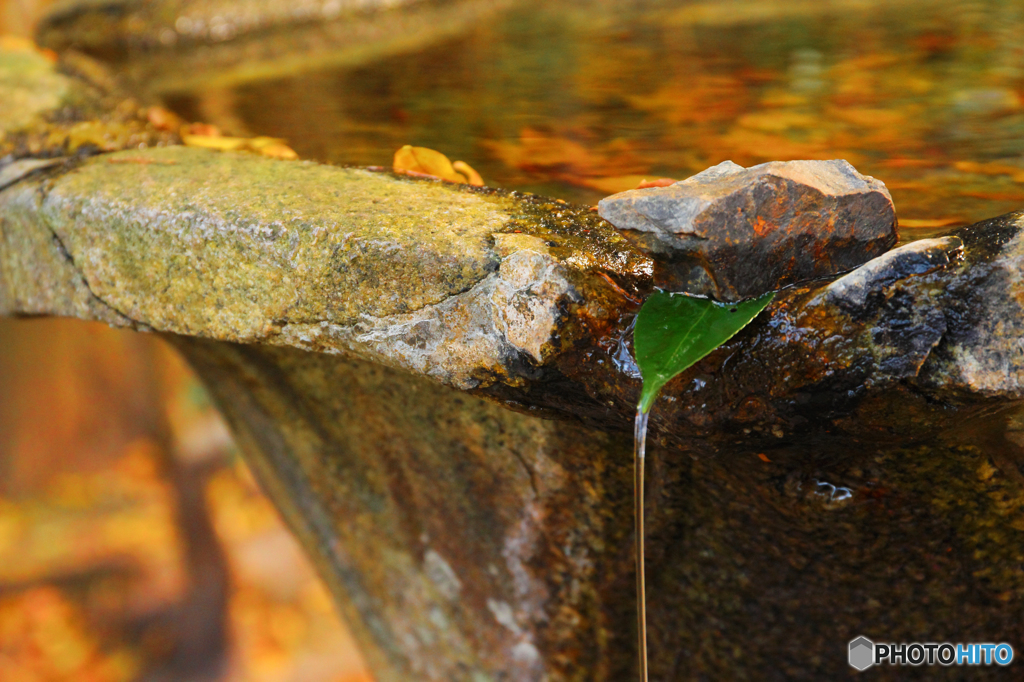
(580,101)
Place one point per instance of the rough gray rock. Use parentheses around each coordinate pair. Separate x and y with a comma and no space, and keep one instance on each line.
(420,275)
(13,171)
(915,258)
(467,288)
(734,233)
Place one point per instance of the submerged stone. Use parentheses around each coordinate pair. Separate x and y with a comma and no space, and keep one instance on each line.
(174,46)
(734,233)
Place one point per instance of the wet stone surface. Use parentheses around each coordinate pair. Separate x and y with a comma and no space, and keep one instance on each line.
(469,542)
(734,233)
(466,286)
(850,463)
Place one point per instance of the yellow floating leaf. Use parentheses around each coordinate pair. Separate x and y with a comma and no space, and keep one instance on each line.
(411,159)
(472,177)
(259,143)
(224,144)
(423,161)
(278,151)
(610,185)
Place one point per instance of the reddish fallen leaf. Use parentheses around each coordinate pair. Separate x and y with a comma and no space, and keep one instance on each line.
(658,182)
(142,160)
(162,119)
(908,163)
(763,457)
(201,130)
(995,196)
(929,222)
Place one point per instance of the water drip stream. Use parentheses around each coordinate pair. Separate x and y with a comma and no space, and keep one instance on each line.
(639,449)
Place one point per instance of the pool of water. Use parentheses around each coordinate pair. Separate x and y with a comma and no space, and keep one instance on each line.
(580,100)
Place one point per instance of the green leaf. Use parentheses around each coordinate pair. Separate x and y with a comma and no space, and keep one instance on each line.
(673,331)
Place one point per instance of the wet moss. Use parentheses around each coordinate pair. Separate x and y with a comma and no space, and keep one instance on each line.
(224,244)
(31,89)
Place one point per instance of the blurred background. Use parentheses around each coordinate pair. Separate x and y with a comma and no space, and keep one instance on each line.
(134,544)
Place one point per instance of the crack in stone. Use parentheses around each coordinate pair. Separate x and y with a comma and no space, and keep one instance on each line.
(63,249)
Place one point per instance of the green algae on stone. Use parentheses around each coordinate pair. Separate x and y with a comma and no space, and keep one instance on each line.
(426,276)
(30,88)
(37,277)
(226,243)
(582,239)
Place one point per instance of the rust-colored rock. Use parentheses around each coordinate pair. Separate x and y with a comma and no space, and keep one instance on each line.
(733,232)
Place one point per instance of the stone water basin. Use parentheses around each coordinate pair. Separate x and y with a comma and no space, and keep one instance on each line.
(848,465)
